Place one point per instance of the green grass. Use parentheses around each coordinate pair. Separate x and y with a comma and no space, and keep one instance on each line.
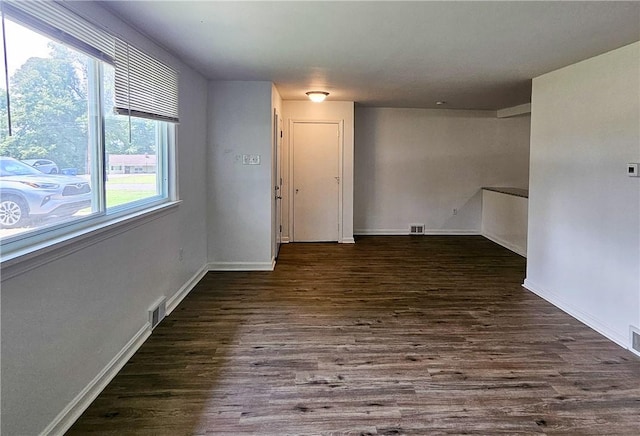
(117,194)
(138,179)
(118,197)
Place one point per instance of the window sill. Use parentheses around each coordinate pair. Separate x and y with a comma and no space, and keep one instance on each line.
(21,261)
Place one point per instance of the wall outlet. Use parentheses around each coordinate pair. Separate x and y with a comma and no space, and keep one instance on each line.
(245,159)
(632,170)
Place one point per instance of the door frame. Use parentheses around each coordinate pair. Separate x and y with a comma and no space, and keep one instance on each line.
(277,182)
(291,149)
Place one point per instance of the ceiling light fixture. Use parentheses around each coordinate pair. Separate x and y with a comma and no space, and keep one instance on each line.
(317,96)
(440,102)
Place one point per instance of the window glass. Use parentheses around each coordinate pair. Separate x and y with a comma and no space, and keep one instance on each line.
(131,144)
(49,160)
(68,158)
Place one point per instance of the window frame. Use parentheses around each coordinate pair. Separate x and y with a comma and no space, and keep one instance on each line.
(21,252)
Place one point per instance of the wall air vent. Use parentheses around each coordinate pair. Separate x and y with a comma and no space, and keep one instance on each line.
(157,312)
(416,229)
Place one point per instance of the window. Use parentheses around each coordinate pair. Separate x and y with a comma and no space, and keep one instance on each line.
(80,141)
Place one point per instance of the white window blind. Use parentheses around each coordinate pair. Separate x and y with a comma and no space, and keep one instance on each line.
(145,87)
(59,23)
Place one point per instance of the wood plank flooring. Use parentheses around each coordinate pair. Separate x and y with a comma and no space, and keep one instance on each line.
(393,335)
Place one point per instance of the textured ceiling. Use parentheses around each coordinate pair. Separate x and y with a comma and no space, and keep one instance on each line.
(473,55)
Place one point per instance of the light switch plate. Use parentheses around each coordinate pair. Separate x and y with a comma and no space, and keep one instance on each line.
(632,170)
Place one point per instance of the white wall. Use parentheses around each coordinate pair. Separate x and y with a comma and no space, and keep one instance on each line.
(240,196)
(504,220)
(64,321)
(512,159)
(417,165)
(584,213)
(326,111)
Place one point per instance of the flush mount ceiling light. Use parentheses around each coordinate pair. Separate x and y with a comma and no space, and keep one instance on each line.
(440,102)
(317,96)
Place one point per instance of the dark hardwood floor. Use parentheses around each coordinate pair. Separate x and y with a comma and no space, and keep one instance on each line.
(392,335)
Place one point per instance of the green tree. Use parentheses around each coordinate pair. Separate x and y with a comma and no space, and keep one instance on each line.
(49,109)
(4,122)
(49,113)
(118,139)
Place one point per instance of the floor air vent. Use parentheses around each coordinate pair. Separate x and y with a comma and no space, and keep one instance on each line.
(157,312)
(635,340)
(416,229)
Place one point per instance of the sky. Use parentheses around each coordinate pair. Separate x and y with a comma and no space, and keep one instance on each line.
(22,44)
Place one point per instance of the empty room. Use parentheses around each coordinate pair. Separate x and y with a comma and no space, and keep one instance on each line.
(320,218)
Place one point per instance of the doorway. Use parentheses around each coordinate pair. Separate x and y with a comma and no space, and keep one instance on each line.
(316,188)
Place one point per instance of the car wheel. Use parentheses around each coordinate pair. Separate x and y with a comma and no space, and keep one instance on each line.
(13,212)
(53,171)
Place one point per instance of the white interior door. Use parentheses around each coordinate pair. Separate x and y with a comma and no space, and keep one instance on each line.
(316,181)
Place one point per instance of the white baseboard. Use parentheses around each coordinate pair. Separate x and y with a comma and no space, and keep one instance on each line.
(578,314)
(391,232)
(380,232)
(506,244)
(175,300)
(83,400)
(452,232)
(284,240)
(241,266)
(348,241)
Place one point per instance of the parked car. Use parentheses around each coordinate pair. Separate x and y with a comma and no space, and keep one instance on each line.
(43,165)
(27,194)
